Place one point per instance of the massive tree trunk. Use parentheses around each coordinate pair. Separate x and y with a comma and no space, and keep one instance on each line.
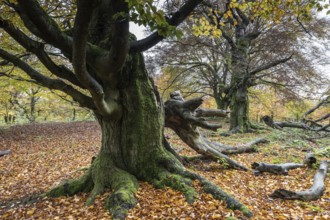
(133,149)
(108,66)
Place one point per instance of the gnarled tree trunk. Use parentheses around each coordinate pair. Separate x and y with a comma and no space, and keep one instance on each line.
(184,117)
(133,149)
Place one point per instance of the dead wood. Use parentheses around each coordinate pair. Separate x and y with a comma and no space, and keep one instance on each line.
(305,123)
(281,169)
(5,152)
(313,193)
(181,116)
(310,160)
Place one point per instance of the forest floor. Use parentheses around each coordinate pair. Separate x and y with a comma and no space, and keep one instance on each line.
(43,155)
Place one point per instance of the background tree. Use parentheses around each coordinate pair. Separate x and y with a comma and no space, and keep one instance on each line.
(250,51)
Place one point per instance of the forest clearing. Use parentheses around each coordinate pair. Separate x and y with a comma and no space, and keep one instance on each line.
(43,155)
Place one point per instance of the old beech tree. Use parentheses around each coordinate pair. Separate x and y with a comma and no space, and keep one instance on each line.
(108,76)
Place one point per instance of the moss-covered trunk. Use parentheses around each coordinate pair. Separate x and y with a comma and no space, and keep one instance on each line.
(132,147)
(239,110)
(239,103)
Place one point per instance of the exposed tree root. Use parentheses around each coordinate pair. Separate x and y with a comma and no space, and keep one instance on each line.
(314,193)
(102,175)
(170,172)
(218,193)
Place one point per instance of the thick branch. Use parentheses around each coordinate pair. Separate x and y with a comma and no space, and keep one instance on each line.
(81,30)
(46,27)
(301,125)
(43,26)
(58,84)
(5,152)
(175,20)
(81,26)
(119,39)
(281,169)
(38,49)
(203,112)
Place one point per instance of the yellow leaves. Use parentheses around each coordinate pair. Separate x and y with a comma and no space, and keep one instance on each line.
(203,27)
(228,14)
(31,212)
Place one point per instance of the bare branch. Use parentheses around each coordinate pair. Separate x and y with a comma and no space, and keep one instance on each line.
(269,65)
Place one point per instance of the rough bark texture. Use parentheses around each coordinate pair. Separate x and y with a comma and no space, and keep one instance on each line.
(313,193)
(239,104)
(182,117)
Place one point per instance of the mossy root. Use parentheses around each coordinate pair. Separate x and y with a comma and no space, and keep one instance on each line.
(177,182)
(72,187)
(123,198)
(219,194)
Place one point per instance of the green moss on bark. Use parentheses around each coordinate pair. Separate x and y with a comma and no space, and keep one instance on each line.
(72,187)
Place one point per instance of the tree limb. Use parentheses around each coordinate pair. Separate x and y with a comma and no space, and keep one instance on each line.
(38,49)
(58,84)
(43,25)
(175,20)
(269,65)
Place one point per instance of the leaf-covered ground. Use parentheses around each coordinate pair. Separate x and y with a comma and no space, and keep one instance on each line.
(46,154)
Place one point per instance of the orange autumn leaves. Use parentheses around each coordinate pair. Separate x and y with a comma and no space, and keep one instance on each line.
(46,154)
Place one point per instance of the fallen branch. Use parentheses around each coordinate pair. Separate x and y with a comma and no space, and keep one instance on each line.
(313,193)
(281,169)
(306,124)
(5,152)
